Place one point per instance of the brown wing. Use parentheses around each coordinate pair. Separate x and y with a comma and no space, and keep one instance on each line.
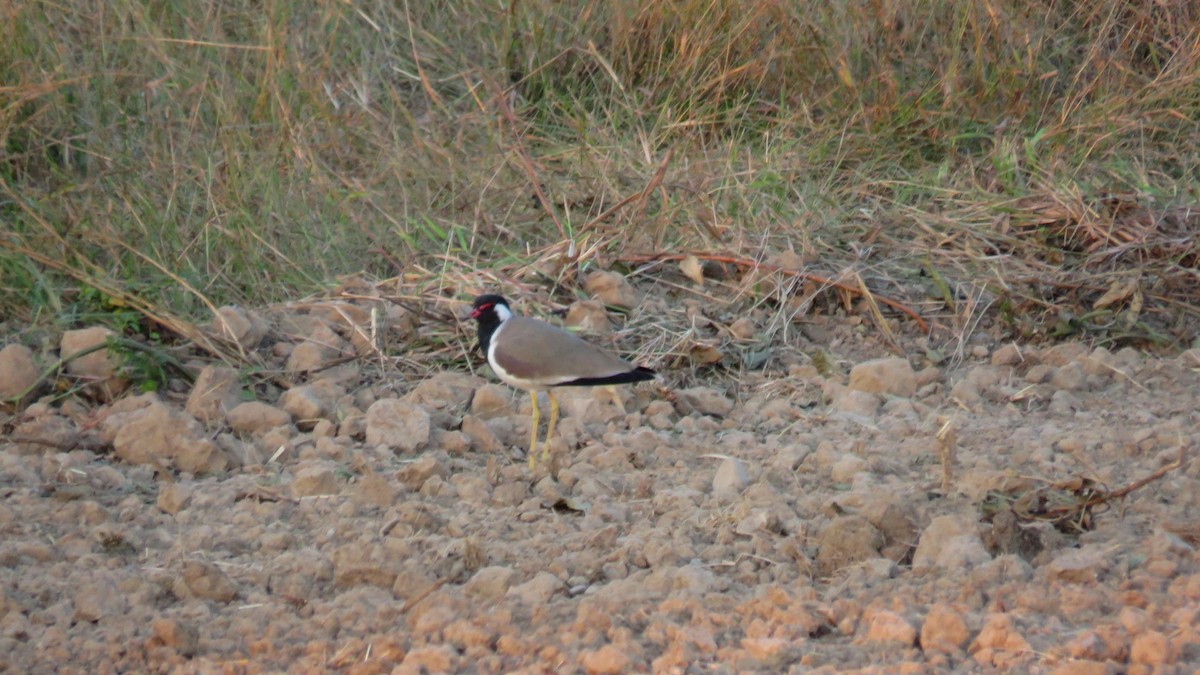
(539,354)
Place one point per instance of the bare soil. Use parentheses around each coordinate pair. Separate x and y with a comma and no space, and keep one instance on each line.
(776,520)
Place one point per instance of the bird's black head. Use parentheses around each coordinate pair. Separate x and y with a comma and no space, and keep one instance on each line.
(485,305)
(490,311)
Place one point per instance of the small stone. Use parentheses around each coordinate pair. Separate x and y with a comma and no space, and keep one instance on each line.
(588,316)
(431,659)
(1069,377)
(18,371)
(173,497)
(729,480)
(158,435)
(611,289)
(1079,566)
(847,540)
(945,629)
(46,433)
(607,660)
(245,327)
(100,365)
(365,563)
(704,400)
(373,489)
(1007,355)
(255,417)
(887,626)
(311,401)
(414,474)
(491,400)
(313,479)
(893,376)
(489,583)
(446,390)
(765,648)
(174,634)
(205,580)
(482,437)
(950,542)
(311,355)
(215,392)
(847,467)
(853,403)
(397,424)
(98,598)
(538,590)
(999,634)
(1152,648)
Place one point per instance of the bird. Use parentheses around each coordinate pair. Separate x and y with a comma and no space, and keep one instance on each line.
(535,356)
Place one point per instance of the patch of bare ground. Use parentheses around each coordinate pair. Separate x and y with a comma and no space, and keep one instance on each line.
(826,505)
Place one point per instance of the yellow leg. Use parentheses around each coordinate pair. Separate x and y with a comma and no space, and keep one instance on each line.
(550,427)
(537,419)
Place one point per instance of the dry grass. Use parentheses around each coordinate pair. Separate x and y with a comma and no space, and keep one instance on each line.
(1014,159)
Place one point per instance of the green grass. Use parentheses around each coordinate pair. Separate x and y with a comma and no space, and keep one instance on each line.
(191,154)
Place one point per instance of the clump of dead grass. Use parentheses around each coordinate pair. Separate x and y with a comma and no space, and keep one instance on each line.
(935,163)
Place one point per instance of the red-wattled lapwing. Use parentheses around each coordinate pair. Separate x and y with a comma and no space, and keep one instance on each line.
(535,356)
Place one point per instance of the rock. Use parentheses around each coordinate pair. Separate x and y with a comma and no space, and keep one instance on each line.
(607,660)
(174,634)
(1152,648)
(46,433)
(414,474)
(1069,377)
(312,355)
(446,390)
(160,436)
(538,590)
(611,289)
(215,393)
(846,541)
(893,376)
(588,316)
(489,583)
(1008,355)
(431,659)
(888,626)
(311,401)
(97,598)
(1061,354)
(99,366)
(173,497)
(205,580)
(950,542)
(969,391)
(855,403)
(704,400)
(254,417)
(491,400)
(482,437)
(1085,565)
(314,478)
(945,629)
(245,327)
(373,489)
(398,424)
(847,467)
(998,635)
(729,480)
(364,563)
(18,371)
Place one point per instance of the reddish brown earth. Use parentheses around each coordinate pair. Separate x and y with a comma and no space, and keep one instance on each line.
(765,521)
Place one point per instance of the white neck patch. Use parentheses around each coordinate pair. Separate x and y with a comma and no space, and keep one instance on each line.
(503,312)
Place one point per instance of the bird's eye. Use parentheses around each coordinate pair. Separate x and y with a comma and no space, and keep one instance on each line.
(486,307)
